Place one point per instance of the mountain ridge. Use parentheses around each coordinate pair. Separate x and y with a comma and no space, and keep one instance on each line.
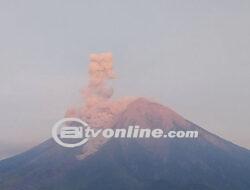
(206,163)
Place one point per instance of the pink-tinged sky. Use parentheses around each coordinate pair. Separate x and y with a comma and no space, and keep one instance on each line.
(193,56)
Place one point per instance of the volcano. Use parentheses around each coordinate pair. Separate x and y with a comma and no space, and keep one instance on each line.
(206,163)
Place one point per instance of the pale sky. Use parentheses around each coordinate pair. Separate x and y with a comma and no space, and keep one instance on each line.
(192,56)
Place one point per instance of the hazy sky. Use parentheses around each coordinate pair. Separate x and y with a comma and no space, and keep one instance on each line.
(193,56)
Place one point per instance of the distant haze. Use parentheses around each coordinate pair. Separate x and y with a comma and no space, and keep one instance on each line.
(192,56)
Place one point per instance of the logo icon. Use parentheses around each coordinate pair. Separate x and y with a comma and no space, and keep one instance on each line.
(69,132)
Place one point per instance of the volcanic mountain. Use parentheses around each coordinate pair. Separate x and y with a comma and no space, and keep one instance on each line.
(205,163)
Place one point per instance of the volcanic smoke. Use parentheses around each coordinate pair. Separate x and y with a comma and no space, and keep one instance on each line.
(99,109)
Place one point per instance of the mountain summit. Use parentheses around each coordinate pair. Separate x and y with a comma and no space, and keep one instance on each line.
(206,163)
(142,111)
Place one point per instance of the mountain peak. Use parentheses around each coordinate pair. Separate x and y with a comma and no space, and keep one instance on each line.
(147,114)
(207,162)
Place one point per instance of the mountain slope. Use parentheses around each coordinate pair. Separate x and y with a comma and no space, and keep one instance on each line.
(206,163)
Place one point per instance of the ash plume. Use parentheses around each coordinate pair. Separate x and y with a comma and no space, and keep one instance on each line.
(99,109)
